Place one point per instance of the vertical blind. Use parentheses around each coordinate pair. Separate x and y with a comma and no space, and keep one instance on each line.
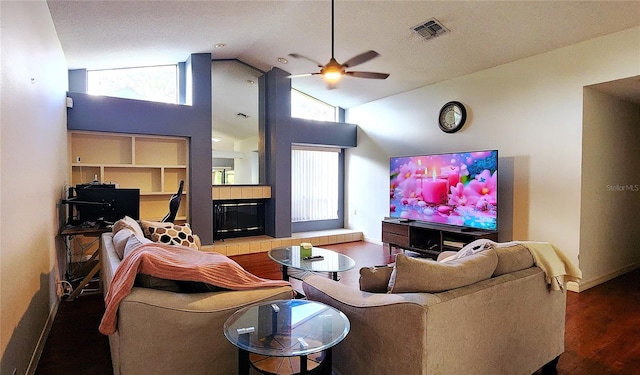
(314,184)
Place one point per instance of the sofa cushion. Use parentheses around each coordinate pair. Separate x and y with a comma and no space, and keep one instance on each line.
(128,223)
(198,287)
(169,233)
(425,275)
(512,258)
(375,279)
(152,282)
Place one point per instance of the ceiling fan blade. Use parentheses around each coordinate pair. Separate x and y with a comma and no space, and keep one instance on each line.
(361,58)
(302,75)
(299,56)
(371,75)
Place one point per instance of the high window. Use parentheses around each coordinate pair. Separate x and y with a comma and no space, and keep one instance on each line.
(310,108)
(153,83)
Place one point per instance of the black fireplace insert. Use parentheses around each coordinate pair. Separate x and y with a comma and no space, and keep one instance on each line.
(238,218)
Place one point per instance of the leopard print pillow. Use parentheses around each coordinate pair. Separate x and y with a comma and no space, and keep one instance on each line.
(169,233)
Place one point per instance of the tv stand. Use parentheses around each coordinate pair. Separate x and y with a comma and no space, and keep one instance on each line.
(429,238)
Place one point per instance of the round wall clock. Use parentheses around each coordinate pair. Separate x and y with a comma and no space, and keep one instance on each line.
(452,117)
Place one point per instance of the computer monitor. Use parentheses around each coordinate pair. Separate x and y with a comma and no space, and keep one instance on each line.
(105,204)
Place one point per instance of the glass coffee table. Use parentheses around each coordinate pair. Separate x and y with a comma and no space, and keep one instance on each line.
(271,336)
(323,260)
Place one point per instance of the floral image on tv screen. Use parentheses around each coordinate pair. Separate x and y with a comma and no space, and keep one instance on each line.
(456,189)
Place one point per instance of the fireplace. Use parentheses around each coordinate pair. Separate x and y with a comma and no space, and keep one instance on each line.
(238,218)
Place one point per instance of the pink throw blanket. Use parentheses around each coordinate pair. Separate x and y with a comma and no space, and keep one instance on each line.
(176,263)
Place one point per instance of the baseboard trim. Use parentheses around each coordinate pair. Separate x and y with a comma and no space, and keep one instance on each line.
(602,279)
(37,353)
(372,240)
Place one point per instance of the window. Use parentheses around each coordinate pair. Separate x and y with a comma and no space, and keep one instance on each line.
(221,176)
(307,107)
(314,184)
(153,83)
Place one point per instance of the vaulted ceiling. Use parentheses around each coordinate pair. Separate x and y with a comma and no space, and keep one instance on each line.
(482,34)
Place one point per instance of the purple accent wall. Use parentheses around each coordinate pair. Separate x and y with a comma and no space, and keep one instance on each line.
(108,114)
(279,131)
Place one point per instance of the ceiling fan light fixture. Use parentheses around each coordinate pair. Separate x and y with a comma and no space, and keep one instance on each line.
(333,71)
(332,76)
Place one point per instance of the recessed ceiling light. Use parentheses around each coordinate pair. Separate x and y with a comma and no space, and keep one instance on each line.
(251,82)
(283,60)
(215,139)
(219,45)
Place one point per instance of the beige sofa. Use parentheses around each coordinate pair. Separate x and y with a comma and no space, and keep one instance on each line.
(510,323)
(163,332)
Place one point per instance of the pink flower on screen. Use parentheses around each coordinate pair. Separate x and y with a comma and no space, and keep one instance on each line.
(458,196)
(484,186)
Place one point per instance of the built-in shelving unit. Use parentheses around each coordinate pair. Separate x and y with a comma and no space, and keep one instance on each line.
(153,164)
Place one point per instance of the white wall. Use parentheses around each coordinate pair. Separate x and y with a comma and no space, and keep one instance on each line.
(246,168)
(33,156)
(610,231)
(530,110)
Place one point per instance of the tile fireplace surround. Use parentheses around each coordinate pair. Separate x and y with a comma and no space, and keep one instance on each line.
(258,244)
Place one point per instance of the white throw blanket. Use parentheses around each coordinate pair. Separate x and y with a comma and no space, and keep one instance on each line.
(556,265)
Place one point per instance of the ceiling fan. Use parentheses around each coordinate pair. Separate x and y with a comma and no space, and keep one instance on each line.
(333,71)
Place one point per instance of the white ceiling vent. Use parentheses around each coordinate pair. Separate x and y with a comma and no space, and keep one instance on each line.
(430,29)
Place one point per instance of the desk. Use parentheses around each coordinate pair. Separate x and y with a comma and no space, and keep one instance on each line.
(68,233)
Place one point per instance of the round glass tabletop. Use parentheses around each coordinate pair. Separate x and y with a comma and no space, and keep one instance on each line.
(330,261)
(286,328)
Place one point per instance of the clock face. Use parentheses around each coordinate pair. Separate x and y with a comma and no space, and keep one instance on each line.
(452,117)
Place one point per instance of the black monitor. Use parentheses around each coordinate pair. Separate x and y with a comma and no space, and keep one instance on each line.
(100,203)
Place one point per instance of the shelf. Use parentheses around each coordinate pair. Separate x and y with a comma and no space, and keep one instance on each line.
(161,193)
(92,165)
(153,164)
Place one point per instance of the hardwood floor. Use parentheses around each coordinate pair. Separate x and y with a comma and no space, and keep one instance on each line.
(602,325)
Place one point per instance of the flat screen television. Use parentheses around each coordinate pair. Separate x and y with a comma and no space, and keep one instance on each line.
(458,189)
(105,203)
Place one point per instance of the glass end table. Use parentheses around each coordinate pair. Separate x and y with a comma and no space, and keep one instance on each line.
(325,260)
(286,328)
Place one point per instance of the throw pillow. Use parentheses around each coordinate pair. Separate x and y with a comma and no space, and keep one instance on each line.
(375,279)
(128,223)
(120,240)
(512,258)
(170,233)
(428,276)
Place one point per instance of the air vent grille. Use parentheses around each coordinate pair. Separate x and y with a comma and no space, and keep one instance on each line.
(430,29)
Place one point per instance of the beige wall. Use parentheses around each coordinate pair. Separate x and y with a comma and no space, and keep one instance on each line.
(610,229)
(33,156)
(530,110)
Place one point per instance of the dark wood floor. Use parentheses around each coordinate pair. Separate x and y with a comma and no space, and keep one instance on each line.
(602,326)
